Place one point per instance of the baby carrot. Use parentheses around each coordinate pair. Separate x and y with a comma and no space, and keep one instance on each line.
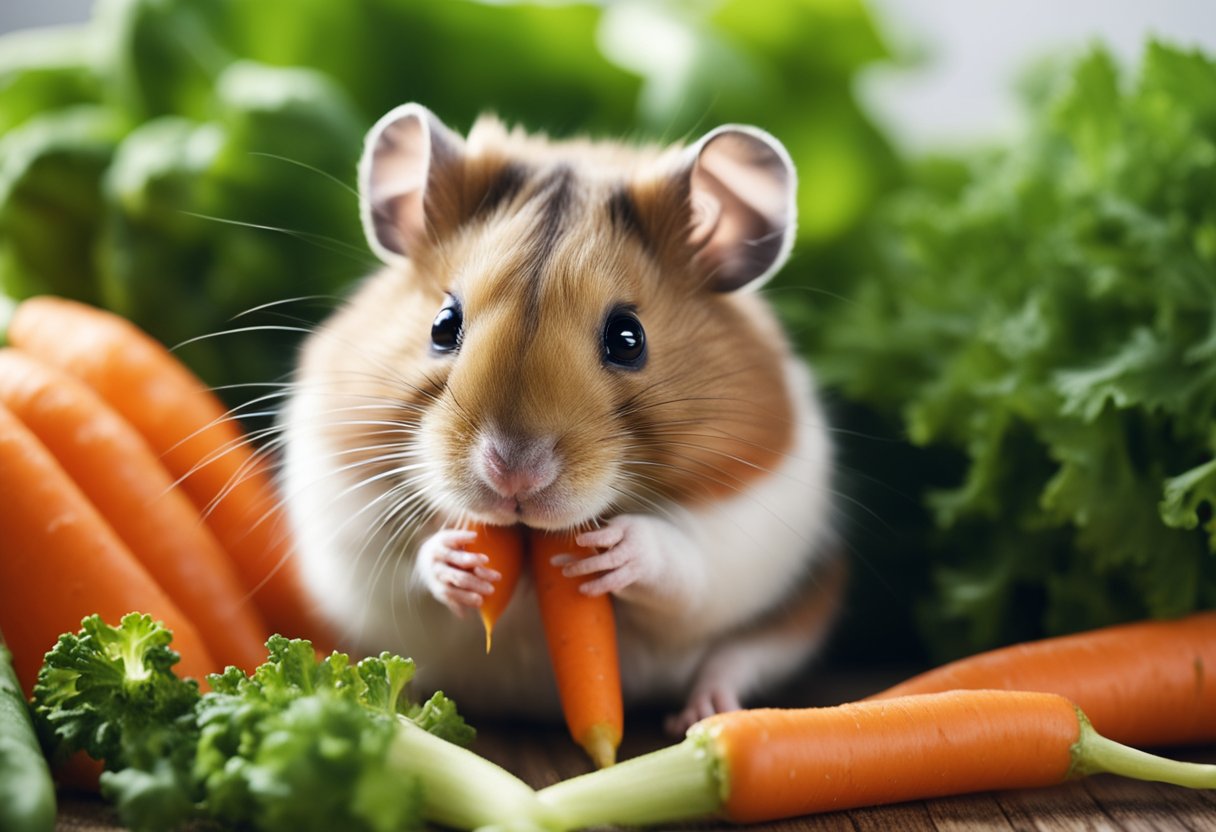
(190,430)
(504,546)
(1148,683)
(62,561)
(581,633)
(759,765)
(118,473)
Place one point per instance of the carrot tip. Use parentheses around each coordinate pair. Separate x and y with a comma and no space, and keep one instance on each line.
(489,625)
(600,742)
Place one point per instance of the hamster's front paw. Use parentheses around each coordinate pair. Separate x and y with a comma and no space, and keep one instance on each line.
(630,557)
(457,578)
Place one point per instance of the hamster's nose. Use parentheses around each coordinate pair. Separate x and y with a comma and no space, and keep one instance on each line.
(515,467)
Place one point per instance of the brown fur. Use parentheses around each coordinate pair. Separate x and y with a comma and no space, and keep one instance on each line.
(540,240)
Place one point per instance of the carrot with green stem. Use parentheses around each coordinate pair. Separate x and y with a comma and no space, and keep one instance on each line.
(191,431)
(118,473)
(580,631)
(61,561)
(504,548)
(1148,683)
(767,764)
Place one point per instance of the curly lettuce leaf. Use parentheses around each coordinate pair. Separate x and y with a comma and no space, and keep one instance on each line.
(1047,311)
(300,743)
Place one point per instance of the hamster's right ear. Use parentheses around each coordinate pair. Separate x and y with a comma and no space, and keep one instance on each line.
(408,157)
(742,198)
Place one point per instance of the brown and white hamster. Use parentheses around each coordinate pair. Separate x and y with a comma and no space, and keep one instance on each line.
(565,335)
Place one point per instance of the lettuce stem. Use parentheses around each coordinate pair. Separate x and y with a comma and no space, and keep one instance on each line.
(462,789)
(672,784)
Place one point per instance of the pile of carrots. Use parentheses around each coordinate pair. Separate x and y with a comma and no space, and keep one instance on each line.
(127,486)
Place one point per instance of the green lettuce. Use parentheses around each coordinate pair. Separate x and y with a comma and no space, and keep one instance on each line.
(1041,320)
(300,743)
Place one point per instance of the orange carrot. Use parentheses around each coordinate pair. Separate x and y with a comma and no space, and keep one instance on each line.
(906,749)
(190,430)
(761,765)
(1148,683)
(61,562)
(581,634)
(117,472)
(504,546)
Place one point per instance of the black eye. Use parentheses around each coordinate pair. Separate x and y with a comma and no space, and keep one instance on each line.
(624,341)
(446,329)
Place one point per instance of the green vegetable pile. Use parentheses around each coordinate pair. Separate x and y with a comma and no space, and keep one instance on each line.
(299,744)
(1042,322)
(182,163)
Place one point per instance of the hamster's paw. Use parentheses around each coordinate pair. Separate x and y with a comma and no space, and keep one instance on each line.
(704,702)
(457,578)
(630,557)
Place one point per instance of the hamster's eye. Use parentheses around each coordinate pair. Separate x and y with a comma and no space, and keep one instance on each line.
(446,328)
(624,341)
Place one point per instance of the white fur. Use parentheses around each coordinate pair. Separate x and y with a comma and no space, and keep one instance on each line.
(707,572)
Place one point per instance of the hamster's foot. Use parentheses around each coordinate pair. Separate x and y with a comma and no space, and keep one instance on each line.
(704,702)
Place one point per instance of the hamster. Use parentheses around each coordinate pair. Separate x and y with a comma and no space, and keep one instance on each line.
(565,334)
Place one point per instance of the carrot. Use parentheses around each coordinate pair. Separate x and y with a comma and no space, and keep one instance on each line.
(761,765)
(117,472)
(189,429)
(504,546)
(1148,683)
(62,561)
(581,633)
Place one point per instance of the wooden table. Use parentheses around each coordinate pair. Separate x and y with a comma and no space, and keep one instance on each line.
(544,754)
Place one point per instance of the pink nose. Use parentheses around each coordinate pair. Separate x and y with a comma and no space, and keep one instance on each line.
(517,468)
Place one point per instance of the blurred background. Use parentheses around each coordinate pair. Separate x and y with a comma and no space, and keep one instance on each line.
(1005,271)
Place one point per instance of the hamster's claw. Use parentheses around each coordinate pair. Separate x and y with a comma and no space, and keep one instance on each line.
(629,556)
(456,578)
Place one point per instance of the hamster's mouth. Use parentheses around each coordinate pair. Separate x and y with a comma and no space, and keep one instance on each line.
(539,512)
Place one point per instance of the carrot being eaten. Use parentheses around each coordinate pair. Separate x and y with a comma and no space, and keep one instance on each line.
(117,472)
(580,631)
(1149,683)
(62,561)
(191,432)
(769,764)
(504,546)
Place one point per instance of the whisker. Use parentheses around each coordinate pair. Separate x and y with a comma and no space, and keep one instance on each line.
(322,241)
(312,168)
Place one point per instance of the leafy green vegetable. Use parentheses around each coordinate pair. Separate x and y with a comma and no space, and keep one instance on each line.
(1046,313)
(223,181)
(302,743)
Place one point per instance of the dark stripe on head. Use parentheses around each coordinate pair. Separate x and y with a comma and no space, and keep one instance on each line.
(557,192)
(555,195)
(506,186)
(623,213)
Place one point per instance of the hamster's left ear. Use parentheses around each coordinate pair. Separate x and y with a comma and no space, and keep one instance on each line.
(741,200)
(408,180)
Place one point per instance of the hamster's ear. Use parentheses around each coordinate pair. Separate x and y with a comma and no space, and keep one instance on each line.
(741,193)
(409,159)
